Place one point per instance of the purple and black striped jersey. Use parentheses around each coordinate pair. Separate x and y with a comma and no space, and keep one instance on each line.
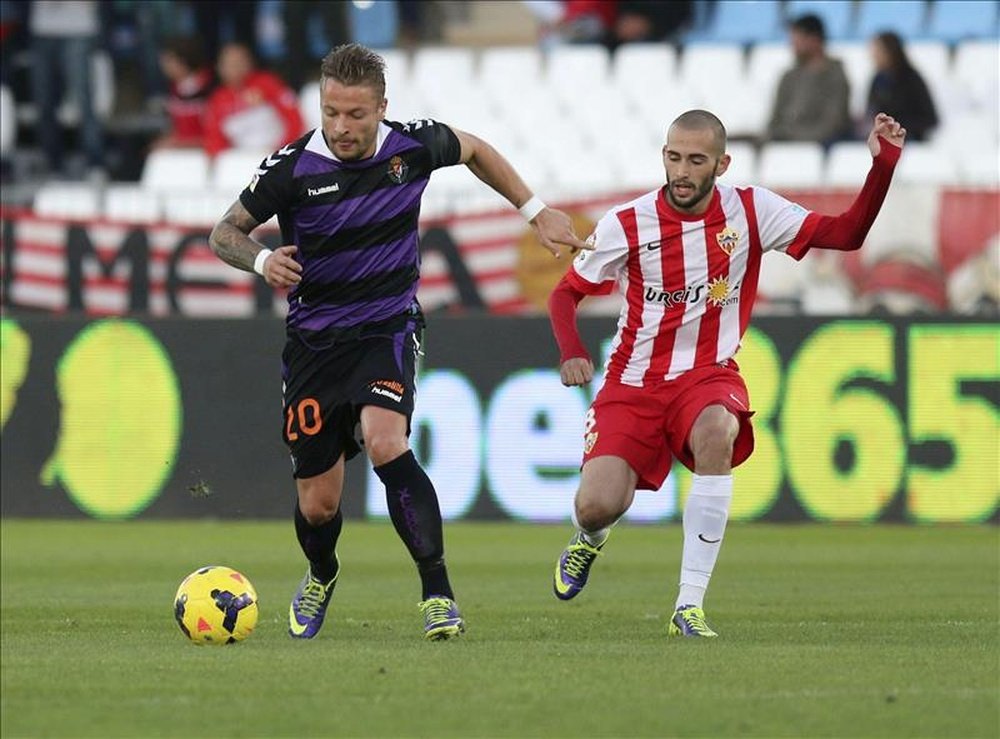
(354,222)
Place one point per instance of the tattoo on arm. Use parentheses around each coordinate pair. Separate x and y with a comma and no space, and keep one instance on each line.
(230,239)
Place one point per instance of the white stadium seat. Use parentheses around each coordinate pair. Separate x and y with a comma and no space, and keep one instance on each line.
(8,120)
(68,200)
(927,164)
(712,64)
(856,58)
(506,70)
(644,69)
(234,168)
(576,66)
(440,72)
(786,164)
(176,170)
(847,164)
(743,165)
(309,105)
(977,71)
(132,204)
(193,208)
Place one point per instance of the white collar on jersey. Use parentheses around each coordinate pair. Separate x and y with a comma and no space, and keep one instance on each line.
(317,143)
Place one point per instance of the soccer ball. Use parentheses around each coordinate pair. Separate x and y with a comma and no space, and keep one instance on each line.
(216,605)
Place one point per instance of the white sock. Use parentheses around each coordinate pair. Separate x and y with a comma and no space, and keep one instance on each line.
(705,517)
(594,538)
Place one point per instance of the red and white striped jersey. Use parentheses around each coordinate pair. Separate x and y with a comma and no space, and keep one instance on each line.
(689,281)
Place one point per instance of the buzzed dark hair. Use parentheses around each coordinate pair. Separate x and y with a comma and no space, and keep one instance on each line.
(354,64)
(699,120)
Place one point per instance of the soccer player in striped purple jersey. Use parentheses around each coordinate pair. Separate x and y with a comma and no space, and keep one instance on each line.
(347,197)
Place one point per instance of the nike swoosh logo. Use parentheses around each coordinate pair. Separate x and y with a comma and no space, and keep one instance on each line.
(650,246)
(293,623)
(561,587)
(709,541)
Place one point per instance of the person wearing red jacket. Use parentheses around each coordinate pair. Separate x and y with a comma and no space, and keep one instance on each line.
(252,109)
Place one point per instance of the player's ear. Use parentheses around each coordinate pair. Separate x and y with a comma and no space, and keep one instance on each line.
(722,165)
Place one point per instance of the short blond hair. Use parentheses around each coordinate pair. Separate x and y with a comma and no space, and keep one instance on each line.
(354,64)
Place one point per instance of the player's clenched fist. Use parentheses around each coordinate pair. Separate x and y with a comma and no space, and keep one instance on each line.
(888,128)
(576,371)
(281,269)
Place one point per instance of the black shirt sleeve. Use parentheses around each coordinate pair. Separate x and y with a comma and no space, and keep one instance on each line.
(272,187)
(439,140)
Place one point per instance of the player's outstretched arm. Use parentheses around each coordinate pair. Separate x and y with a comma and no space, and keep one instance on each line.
(554,228)
(231,242)
(848,231)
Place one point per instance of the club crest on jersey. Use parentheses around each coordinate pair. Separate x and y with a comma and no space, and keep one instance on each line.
(397,170)
(728,240)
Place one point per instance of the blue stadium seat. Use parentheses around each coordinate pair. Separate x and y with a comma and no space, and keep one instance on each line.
(905,17)
(957,20)
(836,15)
(741,22)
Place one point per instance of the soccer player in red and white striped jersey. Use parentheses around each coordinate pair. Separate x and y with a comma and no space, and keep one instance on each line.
(686,258)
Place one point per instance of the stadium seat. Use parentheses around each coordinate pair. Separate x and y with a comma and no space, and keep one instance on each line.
(234,168)
(741,22)
(644,69)
(309,105)
(439,72)
(508,68)
(926,164)
(932,60)
(68,200)
(193,208)
(857,61)
(372,24)
(836,15)
(966,138)
(177,170)
(958,20)
(132,204)
(905,17)
(8,121)
(573,67)
(785,164)
(977,72)
(847,164)
(722,64)
(743,165)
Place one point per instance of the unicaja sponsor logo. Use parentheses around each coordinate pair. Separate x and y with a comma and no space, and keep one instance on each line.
(688,294)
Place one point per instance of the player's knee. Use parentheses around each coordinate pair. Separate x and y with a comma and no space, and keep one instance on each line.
(384,447)
(318,509)
(596,514)
(714,434)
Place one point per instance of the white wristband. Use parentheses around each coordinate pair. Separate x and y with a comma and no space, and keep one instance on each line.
(532,208)
(258,262)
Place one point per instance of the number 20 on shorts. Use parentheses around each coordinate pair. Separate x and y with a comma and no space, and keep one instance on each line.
(309,418)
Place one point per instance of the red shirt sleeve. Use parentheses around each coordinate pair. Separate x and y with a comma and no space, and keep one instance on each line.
(562,314)
(847,231)
(215,139)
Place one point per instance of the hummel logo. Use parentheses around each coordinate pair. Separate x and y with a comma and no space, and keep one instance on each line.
(709,541)
(322,190)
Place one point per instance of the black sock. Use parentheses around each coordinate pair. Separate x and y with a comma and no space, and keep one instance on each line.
(319,543)
(413,507)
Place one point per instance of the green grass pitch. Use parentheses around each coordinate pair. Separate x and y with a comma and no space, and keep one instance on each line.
(825,631)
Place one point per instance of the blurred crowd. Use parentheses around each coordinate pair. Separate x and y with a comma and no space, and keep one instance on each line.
(218,75)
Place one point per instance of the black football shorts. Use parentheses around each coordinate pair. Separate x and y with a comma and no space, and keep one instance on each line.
(326,386)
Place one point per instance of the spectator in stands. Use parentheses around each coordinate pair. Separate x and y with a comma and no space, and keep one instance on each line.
(184,64)
(65,34)
(221,21)
(898,89)
(300,17)
(574,21)
(252,109)
(640,20)
(812,99)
